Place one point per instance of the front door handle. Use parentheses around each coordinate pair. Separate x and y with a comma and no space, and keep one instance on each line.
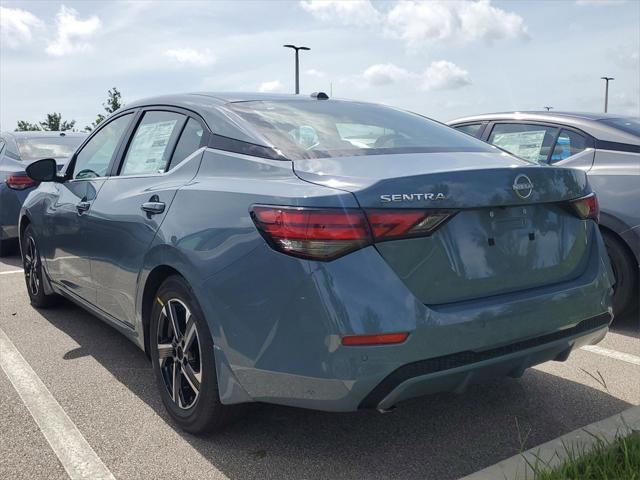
(83,206)
(153,207)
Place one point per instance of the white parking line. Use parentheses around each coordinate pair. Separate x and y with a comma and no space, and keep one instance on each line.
(625,357)
(11,271)
(74,452)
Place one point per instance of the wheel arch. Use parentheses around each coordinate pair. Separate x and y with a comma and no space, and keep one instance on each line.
(152,283)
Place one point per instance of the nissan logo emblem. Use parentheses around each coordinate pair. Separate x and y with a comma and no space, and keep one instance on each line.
(523,186)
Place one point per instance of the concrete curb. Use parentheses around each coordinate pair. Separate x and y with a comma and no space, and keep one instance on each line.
(553,453)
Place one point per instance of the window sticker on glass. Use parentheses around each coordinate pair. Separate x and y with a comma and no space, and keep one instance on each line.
(525,145)
(147,151)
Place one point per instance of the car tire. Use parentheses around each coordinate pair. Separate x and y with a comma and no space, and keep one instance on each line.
(183,363)
(626,277)
(33,271)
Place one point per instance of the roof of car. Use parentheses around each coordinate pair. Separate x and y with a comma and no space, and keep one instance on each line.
(209,99)
(44,134)
(585,121)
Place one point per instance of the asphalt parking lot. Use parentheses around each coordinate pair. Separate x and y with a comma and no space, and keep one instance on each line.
(106,387)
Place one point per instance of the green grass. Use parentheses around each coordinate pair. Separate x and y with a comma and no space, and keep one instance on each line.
(618,460)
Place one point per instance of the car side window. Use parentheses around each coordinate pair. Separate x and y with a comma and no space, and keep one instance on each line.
(472,129)
(94,158)
(189,142)
(569,143)
(151,145)
(528,141)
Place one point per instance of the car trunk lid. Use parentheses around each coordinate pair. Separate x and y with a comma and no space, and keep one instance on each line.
(508,227)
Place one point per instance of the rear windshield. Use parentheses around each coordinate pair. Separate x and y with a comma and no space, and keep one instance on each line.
(629,125)
(325,128)
(48,147)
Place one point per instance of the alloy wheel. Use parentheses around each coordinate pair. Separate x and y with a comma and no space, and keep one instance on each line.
(179,354)
(31,266)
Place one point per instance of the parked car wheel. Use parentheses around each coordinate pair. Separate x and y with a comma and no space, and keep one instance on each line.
(626,278)
(33,273)
(183,360)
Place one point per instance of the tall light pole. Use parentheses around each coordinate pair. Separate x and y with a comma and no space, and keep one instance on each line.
(548,108)
(606,92)
(297,64)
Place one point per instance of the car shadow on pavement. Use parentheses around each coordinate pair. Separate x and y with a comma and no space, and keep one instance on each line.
(442,436)
(628,324)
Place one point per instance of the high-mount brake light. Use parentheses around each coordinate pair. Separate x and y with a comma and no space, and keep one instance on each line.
(587,207)
(328,233)
(20,182)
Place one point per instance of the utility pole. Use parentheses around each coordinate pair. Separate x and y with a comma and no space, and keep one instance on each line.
(606,92)
(548,108)
(297,49)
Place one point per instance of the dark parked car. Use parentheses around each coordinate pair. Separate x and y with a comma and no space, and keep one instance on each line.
(324,254)
(607,147)
(17,150)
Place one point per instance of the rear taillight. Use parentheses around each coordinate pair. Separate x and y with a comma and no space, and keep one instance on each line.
(20,182)
(328,233)
(587,207)
(321,234)
(395,224)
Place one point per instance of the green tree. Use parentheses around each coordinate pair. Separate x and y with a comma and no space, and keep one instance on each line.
(24,126)
(55,123)
(113,103)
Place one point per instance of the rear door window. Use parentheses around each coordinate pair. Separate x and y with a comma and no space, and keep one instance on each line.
(190,141)
(152,143)
(569,143)
(528,141)
(472,129)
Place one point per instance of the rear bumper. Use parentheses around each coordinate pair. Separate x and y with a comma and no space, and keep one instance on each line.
(457,371)
(277,324)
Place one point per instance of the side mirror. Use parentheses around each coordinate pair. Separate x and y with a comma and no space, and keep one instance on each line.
(45,170)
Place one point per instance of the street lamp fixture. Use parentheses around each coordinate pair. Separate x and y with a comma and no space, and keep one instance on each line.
(297,49)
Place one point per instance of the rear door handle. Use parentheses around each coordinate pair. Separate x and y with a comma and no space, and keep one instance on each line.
(83,206)
(153,207)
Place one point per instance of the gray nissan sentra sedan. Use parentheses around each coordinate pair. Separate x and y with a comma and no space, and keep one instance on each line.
(324,254)
(607,147)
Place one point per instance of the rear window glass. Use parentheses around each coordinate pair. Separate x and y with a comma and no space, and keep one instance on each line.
(629,125)
(320,129)
(47,147)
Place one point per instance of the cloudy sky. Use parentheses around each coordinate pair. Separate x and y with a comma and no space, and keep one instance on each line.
(440,58)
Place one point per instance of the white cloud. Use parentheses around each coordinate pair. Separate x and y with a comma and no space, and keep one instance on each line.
(16,26)
(439,75)
(272,86)
(72,32)
(312,72)
(425,23)
(344,12)
(191,56)
(443,75)
(384,74)
(421,24)
(625,57)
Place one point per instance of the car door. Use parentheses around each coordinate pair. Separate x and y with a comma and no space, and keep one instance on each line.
(133,202)
(65,245)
